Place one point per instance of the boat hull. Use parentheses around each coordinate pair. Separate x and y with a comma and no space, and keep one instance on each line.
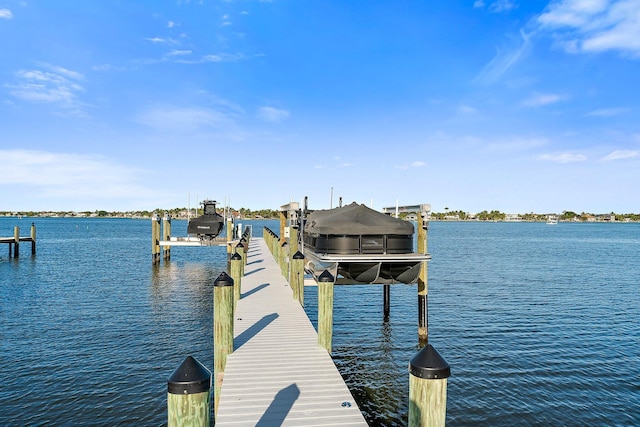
(206,226)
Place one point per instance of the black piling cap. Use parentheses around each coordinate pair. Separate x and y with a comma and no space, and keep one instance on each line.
(239,245)
(243,240)
(284,244)
(236,256)
(298,255)
(325,277)
(223,280)
(190,378)
(429,364)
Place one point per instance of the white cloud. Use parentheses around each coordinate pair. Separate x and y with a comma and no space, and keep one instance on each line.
(155,39)
(518,144)
(563,158)
(272,114)
(78,176)
(620,155)
(466,109)
(504,59)
(5,14)
(52,85)
(595,25)
(607,112)
(178,52)
(177,118)
(502,6)
(478,4)
(413,165)
(222,57)
(541,99)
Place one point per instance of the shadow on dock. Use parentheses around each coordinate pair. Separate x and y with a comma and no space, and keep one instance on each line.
(277,411)
(253,271)
(254,329)
(254,290)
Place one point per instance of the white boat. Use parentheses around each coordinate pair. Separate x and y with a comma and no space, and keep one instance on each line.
(552,220)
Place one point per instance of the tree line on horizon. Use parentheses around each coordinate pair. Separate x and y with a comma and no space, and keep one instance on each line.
(181,213)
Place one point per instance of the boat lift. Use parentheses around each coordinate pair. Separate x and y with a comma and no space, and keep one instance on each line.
(388,267)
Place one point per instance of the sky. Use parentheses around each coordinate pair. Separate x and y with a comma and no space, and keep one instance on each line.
(510,105)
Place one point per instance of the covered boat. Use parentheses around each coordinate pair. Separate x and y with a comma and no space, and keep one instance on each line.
(208,225)
(361,245)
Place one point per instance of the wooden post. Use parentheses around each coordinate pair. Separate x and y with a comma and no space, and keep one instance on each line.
(236,275)
(325,310)
(33,238)
(423,288)
(222,331)
(387,301)
(189,395)
(284,260)
(166,236)
(428,388)
(155,239)
(16,241)
(297,276)
(293,240)
(229,239)
(241,250)
(283,222)
(245,244)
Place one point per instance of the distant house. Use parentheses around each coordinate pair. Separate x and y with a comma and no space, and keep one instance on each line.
(608,218)
(588,218)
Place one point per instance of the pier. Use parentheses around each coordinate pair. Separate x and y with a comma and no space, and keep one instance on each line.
(277,374)
(271,367)
(14,241)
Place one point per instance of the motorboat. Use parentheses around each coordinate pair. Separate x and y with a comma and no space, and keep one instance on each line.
(208,225)
(360,245)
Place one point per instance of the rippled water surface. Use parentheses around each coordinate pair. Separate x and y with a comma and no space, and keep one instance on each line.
(539,323)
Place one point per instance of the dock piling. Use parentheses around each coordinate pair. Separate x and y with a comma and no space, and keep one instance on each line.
(325,310)
(236,275)
(166,236)
(387,301)
(428,388)
(189,395)
(222,331)
(230,237)
(423,288)
(297,276)
(245,246)
(241,250)
(284,260)
(33,238)
(155,239)
(16,241)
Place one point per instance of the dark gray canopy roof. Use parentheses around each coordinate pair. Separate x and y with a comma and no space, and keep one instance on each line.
(355,219)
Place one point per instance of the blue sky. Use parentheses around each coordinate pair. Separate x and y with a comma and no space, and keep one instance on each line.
(519,106)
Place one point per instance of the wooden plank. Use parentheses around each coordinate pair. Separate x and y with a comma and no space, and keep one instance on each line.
(277,375)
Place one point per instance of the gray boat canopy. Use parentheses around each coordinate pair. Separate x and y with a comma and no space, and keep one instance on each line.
(355,219)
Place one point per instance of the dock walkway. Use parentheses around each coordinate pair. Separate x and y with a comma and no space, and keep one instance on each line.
(278,375)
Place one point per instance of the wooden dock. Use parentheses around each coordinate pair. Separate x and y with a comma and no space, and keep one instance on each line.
(14,241)
(277,374)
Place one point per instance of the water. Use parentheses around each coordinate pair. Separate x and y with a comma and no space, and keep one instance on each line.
(539,324)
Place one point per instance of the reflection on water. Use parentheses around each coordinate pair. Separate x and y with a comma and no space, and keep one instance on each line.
(538,323)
